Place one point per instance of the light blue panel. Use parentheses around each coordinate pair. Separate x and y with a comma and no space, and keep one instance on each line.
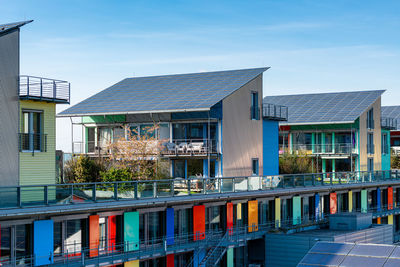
(131,231)
(198,257)
(296,210)
(270,147)
(229,258)
(186,169)
(43,246)
(386,157)
(170,226)
(317,207)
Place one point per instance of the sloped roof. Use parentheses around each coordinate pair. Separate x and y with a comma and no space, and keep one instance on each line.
(326,108)
(391,112)
(351,254)
(180,92)
(10,26)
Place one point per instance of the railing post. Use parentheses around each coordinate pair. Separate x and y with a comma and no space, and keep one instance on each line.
(204,185)
(27,85)
(94,192)
(41,88)
(155,189)
(45,191)
(54,90)
(189,186)
(116,191)
(135,189)
(19,202)
(173,188)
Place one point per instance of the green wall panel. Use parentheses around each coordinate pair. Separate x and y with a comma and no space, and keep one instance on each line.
(364,201)
(131,231)
(296,210)
(104,119)
(229,258)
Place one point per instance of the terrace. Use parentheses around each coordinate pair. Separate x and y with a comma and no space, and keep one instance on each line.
(44,89)
(388,123)
(178,189)
(275,112)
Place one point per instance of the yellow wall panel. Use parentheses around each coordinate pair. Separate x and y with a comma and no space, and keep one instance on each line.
(390,219)
(131,264)
(350,201)
(252,215)
(277,212)
(239,211)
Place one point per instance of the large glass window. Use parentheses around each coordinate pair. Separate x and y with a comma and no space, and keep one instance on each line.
(22,242)
(255,113)
(5,252)
(195,168)
(31,136)
(370,119)
(385,148)
(73,239)
(57,238)
(370,143)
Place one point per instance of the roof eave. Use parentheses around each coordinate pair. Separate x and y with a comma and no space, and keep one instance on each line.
(314,123)
(130,113)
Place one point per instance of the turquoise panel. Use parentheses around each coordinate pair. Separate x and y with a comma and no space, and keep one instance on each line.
(131,231)
(229,257)
(296,210)
(364,201)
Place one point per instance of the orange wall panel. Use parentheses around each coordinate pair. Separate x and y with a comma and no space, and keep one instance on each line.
(390,198)
(199,222)
(94,235)
(333,203)
(252,215)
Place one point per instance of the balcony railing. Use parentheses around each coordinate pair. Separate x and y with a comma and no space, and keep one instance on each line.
(337,148)
(275,112)
(388,123)
(31,142)
(65,194)
(188,147)
(43,89)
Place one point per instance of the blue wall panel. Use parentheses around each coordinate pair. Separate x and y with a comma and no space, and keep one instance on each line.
(43,237)
(170,226)
(378,199)
(270,147)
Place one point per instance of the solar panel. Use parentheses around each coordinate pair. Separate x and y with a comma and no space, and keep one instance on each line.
(165,93)
(327,107)
(350,254)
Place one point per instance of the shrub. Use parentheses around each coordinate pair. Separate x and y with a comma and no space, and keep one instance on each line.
(291,164)
(83,170)
(114,174)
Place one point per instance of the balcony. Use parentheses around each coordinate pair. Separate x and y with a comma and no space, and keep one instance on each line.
(309,149)
(275,112)
(43,89)
(189,147)
(388,123)
(31,142)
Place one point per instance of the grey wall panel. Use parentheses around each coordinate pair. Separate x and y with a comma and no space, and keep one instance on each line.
(241,136)
(9,106)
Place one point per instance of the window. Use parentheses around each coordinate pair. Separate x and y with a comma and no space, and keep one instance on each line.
(370,143)
(254,110)
(254,166)
(385,149)
(370,166)
(32,138)
(370,119)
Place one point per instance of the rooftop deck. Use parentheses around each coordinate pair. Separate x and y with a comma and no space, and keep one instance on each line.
(275,112)
(388,123)
(44,89)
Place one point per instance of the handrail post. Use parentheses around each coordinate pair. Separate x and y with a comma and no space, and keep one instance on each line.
(155,189)
(135,189)
(116,191)
(189,186)
(27,85)
(94,192)
(45,191)
(19,202)
(54,90)
(41,88)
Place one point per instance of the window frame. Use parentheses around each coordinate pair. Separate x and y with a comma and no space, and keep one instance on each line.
(257,166)
(254,107)
(30,113)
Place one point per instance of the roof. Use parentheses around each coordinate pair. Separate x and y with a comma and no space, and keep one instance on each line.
(10,26)
(351,254)
(326,108)
(169,93)
(391,112)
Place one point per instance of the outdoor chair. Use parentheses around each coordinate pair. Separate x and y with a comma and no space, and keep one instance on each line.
(196,147)
(171,148)
(182,148)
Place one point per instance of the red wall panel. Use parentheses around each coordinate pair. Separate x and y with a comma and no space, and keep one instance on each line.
(94,235)
(199,222)
(112,232)
(170,260)
(390,198)
(229,217)
(333,203)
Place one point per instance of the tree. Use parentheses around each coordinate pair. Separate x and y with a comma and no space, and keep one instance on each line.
(293,163)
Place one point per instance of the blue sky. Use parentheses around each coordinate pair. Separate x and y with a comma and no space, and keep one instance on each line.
(311,46)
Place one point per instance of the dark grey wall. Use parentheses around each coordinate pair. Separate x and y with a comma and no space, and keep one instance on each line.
(9,108)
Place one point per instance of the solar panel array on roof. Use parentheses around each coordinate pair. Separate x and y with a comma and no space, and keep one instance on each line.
(9,26)
(351,254)
(196,91)
(392,112)
(325,108)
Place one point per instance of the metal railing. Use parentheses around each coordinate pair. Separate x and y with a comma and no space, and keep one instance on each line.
(337,148)
(32,142)
(38,88)
(190,147)
(388,123)
(275,112)
(66,194)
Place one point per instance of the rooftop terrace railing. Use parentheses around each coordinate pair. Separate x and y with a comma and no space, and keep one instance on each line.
(66,194)
(44,89)
(388,123)
(275,112)
(337,148)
